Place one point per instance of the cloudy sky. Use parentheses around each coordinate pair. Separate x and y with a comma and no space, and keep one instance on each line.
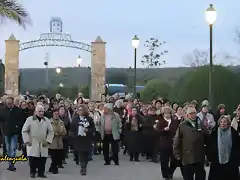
(180,23)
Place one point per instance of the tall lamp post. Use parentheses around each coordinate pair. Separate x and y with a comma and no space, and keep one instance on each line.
(135,44)
(79,61)
(211,16)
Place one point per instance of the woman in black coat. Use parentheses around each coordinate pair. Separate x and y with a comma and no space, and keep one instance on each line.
(133,134)
(82,130)
(223,152)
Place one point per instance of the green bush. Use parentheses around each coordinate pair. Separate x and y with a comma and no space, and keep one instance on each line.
(155,89)
(195,85)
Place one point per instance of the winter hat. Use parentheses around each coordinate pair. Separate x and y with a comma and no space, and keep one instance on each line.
(108,105)
(194,102)
(221,106)
(205,103)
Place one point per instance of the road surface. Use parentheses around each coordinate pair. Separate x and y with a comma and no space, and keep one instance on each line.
(127,170)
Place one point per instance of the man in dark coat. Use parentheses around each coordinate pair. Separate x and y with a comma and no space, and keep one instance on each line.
(11,118)
(189,145)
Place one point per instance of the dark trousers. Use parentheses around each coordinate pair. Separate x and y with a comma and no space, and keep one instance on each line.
(83,158)
(165,157)
(56,161)
(134,156)
(196,170)
(97,145)
(20,142)
(151,148)
(3,144)
(108,139)
(76,156)
(37,163)
(173,166)
(65,148)
(24,150)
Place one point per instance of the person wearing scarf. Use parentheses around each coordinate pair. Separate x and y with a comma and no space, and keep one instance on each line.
(223,151)
(82,130)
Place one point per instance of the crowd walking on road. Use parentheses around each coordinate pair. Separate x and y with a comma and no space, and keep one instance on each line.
(190,136)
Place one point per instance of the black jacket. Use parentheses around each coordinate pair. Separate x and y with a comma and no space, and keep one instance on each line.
(82,143)
(11,120)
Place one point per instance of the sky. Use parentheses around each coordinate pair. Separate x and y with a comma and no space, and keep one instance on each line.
(181,24)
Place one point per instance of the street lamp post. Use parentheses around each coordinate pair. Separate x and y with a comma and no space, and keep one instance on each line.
(135,44)
(79,61)
(211,16)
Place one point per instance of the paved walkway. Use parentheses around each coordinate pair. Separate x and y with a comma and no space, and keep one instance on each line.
(96,171)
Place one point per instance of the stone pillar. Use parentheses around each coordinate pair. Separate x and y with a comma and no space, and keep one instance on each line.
(12,66)
(98,69)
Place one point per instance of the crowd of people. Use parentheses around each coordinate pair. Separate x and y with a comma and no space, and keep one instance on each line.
(189,136)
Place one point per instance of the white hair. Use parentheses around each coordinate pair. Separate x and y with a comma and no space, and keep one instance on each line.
(39,103)
(119,103)
(39,108)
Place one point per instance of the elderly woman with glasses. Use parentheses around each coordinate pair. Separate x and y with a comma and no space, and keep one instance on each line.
(223,151)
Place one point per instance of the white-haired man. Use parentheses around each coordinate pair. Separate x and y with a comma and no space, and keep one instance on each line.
(37,134)
(189,147)
(110,130)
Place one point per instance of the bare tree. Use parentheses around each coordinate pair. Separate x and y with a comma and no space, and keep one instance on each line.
(153,58)
(197,58)
(200,58)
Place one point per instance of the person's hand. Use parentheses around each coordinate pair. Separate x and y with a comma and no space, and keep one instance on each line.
(154,126)
(166,129)
(45,144)
(127,121)
(140,125)
(29,143)
(85,130)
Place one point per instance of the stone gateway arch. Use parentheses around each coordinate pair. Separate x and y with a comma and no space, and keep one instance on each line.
(56,38)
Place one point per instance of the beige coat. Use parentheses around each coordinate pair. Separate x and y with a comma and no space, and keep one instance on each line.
(37,132)
(59,132)
(234,123)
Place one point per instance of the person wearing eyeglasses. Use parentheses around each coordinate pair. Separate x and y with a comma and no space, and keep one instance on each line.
(223,151)
(189,146)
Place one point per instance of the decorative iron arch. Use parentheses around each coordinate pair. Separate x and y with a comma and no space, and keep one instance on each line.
(55,39)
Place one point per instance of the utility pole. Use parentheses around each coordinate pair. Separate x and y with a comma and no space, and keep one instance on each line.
(46,68)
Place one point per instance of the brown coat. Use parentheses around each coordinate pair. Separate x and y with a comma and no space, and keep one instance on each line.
(59,131)
(189,144)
